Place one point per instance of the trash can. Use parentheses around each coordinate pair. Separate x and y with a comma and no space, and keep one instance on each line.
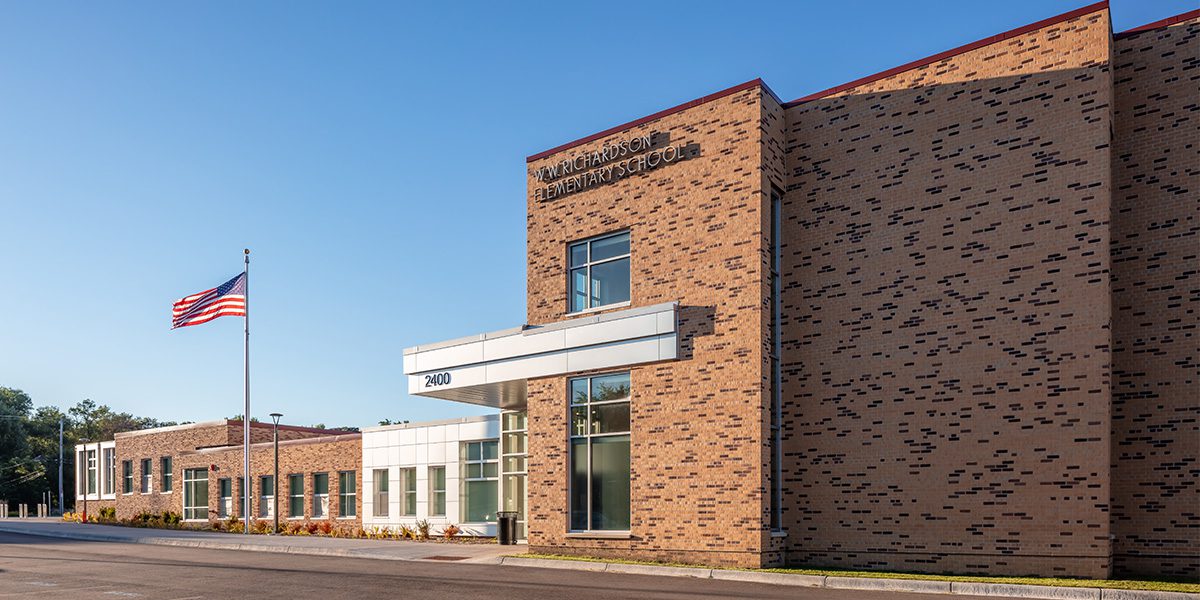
(507,527)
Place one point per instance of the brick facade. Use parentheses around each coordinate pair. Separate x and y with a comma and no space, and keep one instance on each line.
(217,446)
(1156,300)
(988,313)
(695,227)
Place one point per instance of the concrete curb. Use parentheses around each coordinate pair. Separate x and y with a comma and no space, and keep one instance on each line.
(924,586)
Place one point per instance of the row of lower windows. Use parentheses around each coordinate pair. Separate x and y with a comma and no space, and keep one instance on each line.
(480,473)
(146,481)
(195,495)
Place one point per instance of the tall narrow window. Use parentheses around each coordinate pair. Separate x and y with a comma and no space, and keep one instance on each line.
(147,475)
(776,456)
(296,496)
(127,477)
(598,272)
(225,497)
(91,472)
(481,473)
(110,470)
(241,502)
(195,494)
(408,492)
(166,473)
(380,499)
(320,504)
(266,496)
(347,494)
(437,491)
(599,485)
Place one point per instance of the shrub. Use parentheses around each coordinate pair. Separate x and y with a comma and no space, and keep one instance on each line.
(311,527)
(407,533)
(262,527)
(325,527)
(73,517)
(108,514)
(450,531)
(293,528)
(423,529)
(171,519)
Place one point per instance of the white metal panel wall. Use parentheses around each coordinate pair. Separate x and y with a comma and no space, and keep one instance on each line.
(421,448)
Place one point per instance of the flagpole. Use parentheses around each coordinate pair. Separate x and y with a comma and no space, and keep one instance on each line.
(246,482)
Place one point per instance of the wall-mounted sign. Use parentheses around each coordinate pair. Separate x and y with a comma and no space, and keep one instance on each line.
(607,164)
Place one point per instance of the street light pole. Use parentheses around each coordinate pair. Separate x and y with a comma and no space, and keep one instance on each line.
(275,479)
(60,466)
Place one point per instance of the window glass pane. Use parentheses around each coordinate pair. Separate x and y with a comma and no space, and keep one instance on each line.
(578,289)
(320,483)
(514,443)
(481,501)
(579,483)
(514,421)
(438,475)
(610,418)
(610,246)
(578,254)
(579,391)
(610,483)
(579,420)
(607,388)
(490,450)
(473,451)
(609,283)
(514,493)
(474,471)
(514,464)
(491,469)
(410,480)
(295,495)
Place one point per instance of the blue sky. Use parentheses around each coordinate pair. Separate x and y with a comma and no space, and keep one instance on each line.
(370,155)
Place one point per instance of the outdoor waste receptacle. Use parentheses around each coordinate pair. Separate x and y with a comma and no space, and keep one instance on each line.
(507,527)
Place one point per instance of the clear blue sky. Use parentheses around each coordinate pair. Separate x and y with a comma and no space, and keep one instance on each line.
(370,155)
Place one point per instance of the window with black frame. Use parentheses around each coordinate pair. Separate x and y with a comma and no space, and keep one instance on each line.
(598,272)
(600,472)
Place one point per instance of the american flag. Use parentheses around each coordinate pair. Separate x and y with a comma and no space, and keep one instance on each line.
(229,298)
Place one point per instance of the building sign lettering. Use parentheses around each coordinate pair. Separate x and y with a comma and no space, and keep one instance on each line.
(607,164)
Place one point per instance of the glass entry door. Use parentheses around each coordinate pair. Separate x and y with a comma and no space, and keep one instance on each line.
(512,466)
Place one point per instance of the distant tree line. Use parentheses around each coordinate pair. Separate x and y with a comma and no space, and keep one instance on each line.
(29,442)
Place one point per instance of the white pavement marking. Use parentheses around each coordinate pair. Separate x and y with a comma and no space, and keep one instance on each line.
(123,594)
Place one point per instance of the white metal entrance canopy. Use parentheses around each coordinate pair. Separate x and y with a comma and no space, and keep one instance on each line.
(490,369)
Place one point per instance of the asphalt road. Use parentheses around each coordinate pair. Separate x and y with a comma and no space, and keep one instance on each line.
(37,568)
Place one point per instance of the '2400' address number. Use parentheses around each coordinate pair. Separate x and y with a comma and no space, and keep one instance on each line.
(437,379)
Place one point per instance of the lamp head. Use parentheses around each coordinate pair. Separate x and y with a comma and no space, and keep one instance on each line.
(275,417)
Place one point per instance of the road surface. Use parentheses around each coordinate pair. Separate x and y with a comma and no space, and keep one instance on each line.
(43,568)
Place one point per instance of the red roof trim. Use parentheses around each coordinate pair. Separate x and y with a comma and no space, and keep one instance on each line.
(1079,12)
(1167,22)
(658,115)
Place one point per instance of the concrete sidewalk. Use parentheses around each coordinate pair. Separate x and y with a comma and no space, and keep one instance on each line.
(312,545)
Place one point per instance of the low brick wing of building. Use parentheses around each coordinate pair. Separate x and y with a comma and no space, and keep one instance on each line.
(195,470)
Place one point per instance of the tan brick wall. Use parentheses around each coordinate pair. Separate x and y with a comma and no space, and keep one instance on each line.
(1156,302)
(696,238)
(301,450)
(946,313)
(303,456)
